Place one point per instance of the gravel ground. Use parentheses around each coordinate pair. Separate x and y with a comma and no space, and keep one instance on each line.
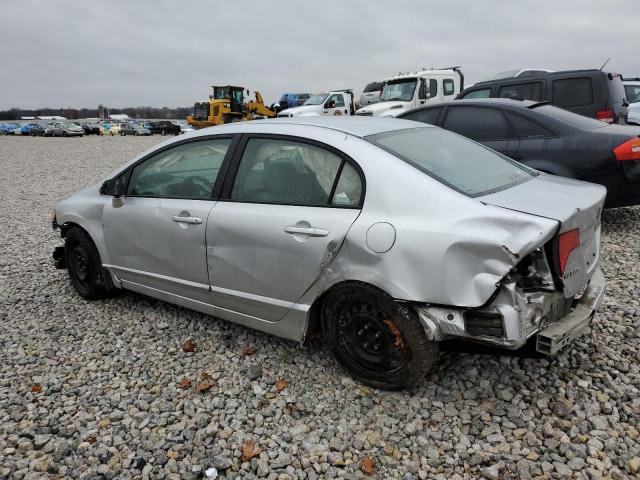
(95,389)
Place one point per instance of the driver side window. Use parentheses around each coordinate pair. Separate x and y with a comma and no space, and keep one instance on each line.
(186,171)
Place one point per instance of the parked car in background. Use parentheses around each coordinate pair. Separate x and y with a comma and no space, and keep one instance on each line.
(110,129)
(7,128)
(406,91)
(336,102)
(133,128)
(31,129)
(186,128)
(91,128)
(64,129)
(163,127)
(632,90)
(385,236)
(548,139)
(592,93)
(290,100)
(370,94)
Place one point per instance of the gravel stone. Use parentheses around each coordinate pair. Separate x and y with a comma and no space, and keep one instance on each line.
(109,402)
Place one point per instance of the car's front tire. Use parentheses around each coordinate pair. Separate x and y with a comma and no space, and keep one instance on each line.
(84,266)
(376,339)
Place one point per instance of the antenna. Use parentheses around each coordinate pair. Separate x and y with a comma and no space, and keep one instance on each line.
(605,63)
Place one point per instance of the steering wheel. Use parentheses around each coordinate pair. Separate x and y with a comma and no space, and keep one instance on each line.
(197,186)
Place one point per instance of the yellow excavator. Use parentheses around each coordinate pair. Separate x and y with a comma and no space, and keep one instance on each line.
(227,105)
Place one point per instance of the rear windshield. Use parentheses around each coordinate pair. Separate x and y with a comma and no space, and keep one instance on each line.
(578,121)
(459,163)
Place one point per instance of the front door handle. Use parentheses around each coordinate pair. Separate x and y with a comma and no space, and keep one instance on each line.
(312,232)
(190,220)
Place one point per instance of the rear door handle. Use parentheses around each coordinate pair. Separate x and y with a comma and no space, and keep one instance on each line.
(312,232)
(190,220)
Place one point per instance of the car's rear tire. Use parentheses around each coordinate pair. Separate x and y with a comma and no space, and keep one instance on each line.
(84,266)
(376,339)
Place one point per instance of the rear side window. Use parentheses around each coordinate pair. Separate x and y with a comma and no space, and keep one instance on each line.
(294,173)
(448,87)
(427,115)
(454,161)
(477,123)
(483,93)
(572,92)
(528,91)
(525,128)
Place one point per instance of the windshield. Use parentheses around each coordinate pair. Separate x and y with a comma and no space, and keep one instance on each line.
(453,160)
(633,93)
(316,99)
(399,90)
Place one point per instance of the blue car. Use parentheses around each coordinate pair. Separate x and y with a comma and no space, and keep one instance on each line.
(290,100)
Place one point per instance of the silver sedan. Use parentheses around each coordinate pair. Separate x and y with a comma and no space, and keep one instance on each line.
(385,236)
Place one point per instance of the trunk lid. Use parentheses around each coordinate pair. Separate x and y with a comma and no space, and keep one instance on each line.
(575,205)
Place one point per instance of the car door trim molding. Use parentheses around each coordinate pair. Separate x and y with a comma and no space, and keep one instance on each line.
(179,281)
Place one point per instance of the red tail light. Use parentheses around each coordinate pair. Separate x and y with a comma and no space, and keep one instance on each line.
(629,150)
(567,243)
(605,115)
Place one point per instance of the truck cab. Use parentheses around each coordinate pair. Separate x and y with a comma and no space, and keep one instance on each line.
(410,90)
(336,102)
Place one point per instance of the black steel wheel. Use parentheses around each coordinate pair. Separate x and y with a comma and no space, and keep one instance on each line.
(85,270)
(378,340)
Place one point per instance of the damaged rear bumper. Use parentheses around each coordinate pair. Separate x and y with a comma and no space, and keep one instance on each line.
(567,329)
(514,317)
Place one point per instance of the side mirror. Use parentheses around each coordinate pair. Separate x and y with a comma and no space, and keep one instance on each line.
(330,104)
(113,187)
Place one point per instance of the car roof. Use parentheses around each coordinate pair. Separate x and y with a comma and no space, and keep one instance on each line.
(353,125)
(554,73)
(507,102)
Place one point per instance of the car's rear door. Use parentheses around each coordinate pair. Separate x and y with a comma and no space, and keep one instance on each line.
(285,210)
(485,125)
(155,233)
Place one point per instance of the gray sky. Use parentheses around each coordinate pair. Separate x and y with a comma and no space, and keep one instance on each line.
(62,53)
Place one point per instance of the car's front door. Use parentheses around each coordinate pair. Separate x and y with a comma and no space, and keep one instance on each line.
(335,105)
(485,125)
(288,210)
(155,233)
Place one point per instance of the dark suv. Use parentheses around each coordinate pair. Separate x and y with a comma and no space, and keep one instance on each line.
(592,93)
(163,127)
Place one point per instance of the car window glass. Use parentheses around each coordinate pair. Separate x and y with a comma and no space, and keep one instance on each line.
(186,171)
(447,87)
(465,166)
(572,92)
(338,99)
(433,88)
(527,129)
(528,91)
(478,123)
(484,93)
(632,92)
(427,115)
(349,187)
(285,171)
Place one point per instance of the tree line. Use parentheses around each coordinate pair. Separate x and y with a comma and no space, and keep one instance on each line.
(75,113)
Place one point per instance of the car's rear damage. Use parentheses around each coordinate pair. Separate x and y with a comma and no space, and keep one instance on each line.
(551,293)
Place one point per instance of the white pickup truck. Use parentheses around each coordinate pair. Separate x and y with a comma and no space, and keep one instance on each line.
(410,90)
(337,102)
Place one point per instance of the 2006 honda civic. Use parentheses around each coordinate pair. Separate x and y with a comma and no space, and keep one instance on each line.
(386,236)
